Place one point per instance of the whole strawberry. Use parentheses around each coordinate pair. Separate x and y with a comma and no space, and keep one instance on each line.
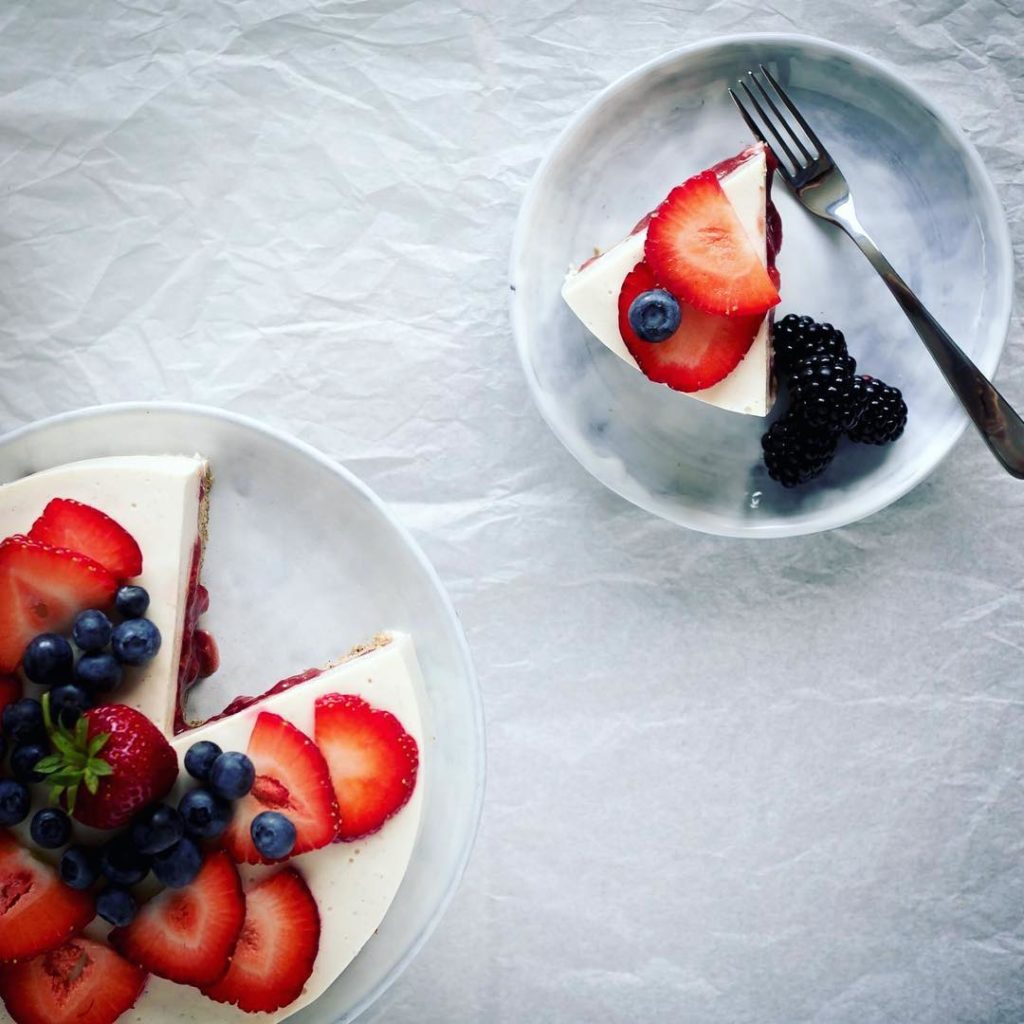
(113,763)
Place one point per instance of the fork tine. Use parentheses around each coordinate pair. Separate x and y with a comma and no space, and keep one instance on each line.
(814,140)
(751,123)
(780,141)
(808,158)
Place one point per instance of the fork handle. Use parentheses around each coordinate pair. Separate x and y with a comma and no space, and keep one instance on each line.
(999,425)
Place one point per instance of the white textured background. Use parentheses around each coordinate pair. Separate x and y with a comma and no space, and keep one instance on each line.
(729,782)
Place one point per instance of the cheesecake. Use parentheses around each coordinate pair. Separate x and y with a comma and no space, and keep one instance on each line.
(593,290)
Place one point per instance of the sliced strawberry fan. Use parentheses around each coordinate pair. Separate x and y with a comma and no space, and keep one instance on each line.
(277,948)
(372,759)
(188,935)
(37,911)
(291,778)
(42,589)
(703,351)
(699,251)
(83,982)
(78,527)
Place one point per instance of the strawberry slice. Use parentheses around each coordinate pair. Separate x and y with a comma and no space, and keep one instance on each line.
(42,589)
(10,690)
(292,778)
(277,948)
(698,249)
(187,935)
(704,350)
(37,911)
(82,528)
(84,982)
(373,761)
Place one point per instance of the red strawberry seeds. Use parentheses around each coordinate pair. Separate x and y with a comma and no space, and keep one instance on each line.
(143,766)
(373,761)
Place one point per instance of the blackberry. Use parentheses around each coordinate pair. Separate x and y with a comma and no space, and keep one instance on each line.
(795,337)
(821,387)
(883,413)
(796,451)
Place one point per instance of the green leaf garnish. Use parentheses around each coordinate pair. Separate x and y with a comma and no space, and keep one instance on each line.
(75,761)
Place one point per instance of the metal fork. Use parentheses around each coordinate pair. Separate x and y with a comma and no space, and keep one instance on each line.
(817,182)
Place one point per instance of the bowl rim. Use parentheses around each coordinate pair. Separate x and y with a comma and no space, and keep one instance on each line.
(845,515)
(447,608)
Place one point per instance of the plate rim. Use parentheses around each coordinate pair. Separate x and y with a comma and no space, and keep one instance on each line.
(698,520)
(447,607)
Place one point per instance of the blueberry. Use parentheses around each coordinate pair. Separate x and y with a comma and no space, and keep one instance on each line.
(273,835)
(67,702)
(206,815)
(116,906)
(50,828)
(78,867)
(156,829)
(14,802)
(199,759)
(135,641)
(48,660)
(179,865)
(98,673)
(232,775)
(91,631)
(121,863)
(654,315)
(24,759)
(132,602)
(23,720)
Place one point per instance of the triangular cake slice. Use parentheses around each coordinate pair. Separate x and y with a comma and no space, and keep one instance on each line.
(592,290)
(353,883)
(162,501)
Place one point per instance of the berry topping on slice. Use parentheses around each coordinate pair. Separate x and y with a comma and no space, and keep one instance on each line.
(15,801)
(373,761)
(704,350)
(50,828)
(111,765)
(82,528)
(187,935)
(654,315)
(699,251)
(37,913)
(48,660)
(291,778)
(83,981)
(276,949)
(199,759)
(43,588)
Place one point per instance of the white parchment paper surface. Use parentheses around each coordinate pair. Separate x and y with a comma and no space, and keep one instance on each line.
(729,781)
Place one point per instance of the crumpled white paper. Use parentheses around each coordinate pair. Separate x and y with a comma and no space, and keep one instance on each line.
(730,782)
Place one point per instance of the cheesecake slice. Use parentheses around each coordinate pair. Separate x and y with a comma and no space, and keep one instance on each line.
(353,883)
(162,501)
(592,290)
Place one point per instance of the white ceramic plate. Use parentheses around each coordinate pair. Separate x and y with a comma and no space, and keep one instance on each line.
(920,189)
(304,562)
